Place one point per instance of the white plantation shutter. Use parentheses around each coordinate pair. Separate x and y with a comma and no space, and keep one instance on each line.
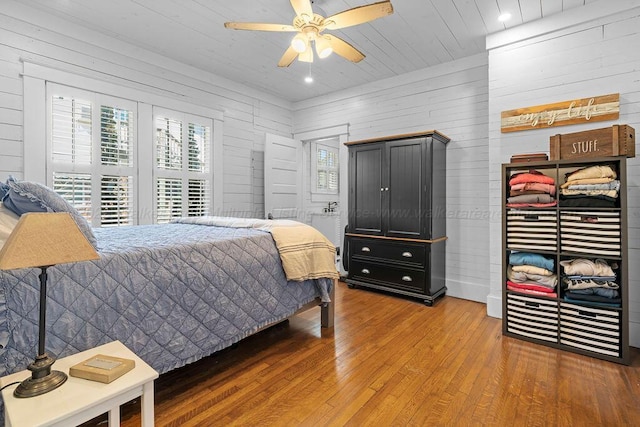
(117,134)
(76,189)
(199,198)
(199,148)
(71,127)
(116,200)
(183,188)
(169,199)
(325,167)
(168,143)
(92,141)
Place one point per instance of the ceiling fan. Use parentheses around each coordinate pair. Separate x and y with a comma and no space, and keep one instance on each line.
(310,25)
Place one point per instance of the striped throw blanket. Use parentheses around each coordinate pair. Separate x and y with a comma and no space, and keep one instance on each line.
(305,252)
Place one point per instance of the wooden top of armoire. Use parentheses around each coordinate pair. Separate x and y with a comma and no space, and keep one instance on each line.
(442,137)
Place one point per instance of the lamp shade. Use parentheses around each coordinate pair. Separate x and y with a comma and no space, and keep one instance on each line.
(299,43)
(44,239)
(323,47)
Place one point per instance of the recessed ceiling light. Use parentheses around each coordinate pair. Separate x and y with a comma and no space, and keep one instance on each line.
(308,79)
(504,17)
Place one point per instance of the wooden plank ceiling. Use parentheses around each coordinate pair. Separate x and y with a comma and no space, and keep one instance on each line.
(419,34)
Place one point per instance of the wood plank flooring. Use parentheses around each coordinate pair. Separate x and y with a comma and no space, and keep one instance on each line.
(392,361)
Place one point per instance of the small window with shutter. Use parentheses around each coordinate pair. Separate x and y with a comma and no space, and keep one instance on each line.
(325,166)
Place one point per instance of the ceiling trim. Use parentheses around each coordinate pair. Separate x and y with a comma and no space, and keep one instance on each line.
(559,21)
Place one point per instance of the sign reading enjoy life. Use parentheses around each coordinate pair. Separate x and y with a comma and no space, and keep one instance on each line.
(598,108)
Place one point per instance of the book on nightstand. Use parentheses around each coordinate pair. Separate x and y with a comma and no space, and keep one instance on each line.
(102,368)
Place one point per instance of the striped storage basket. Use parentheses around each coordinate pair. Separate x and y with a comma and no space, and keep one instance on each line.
(532,317)
(532,230)
(592,329)
(593,233)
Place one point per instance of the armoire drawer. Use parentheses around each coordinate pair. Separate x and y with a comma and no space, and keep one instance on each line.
(532,317)
(591,328)
(395,276)
(408,253)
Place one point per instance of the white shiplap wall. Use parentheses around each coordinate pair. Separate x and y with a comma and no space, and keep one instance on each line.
(589,59)
(452,99)
(29,35)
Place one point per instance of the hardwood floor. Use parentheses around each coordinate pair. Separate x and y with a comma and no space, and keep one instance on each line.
(392,361)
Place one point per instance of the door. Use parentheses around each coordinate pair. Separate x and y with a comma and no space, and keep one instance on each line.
(366,189)
(282,177)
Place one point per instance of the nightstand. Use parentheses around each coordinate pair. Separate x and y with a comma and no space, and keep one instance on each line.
(79,400)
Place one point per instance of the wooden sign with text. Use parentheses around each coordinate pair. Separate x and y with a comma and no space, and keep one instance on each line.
(585,110)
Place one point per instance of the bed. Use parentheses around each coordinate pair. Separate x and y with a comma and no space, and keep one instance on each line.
(172,293)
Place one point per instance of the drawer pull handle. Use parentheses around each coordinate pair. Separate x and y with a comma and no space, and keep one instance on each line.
(532,304)
(365,271)
(365,249)
(587,313)
(407,278)
(589,219)
(407,254)
(531,217)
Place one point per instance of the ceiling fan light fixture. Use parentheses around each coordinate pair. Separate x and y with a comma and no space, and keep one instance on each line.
(306,56)
(323,47)
(299,43)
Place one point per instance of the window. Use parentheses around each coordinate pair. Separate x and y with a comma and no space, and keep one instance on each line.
(182,165)
(92,146)
(325,166)
(92,158)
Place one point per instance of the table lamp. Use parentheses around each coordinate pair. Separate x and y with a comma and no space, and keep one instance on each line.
(42,240)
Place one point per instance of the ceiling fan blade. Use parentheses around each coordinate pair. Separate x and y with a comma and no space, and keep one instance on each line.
(358,15)
(259,26)
(344,49)
(288,57)
(302,7)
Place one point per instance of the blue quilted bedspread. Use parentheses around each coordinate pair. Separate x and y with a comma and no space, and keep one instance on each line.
(171,293)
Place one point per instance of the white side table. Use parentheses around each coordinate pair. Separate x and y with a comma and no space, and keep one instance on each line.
(79,400)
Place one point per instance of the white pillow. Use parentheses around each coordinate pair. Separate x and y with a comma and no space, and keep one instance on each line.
(8,221)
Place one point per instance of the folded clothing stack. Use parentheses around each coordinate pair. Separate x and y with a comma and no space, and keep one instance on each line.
(531,274)
(593,186)
(531,189)
(590,282)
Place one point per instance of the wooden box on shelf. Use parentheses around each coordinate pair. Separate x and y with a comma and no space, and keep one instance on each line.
(617,140)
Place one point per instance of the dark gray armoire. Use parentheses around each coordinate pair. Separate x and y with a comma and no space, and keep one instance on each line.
(396,233)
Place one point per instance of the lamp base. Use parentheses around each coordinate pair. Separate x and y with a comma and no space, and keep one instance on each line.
(42,380)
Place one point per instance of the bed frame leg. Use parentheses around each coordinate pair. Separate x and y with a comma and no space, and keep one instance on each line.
(327,311)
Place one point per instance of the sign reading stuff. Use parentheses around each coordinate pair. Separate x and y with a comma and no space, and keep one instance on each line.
(598,108)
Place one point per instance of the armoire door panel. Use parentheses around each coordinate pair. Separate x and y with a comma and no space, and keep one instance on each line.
(366,215)
(405,195)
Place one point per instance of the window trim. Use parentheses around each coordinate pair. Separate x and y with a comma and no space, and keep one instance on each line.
(342,133)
